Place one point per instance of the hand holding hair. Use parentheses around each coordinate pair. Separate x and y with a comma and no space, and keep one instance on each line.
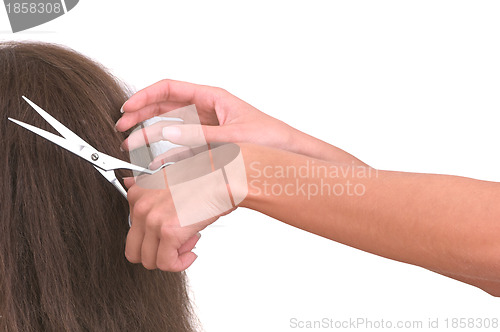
(224,118)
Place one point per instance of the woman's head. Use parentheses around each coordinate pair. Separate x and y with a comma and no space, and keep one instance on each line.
(63,226)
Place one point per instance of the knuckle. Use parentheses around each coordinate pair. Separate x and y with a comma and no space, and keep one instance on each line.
(221,92)
(133,193)
(153,220)
(221,96)
(157,109)
(167,232)
(165,266)
(141,207)
(165,84)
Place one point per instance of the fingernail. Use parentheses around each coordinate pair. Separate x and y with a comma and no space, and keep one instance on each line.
(171,133)
(122,149)
(121,109)
(117,122)
(199,234)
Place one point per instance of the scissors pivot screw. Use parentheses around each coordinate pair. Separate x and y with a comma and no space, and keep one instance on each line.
(94,156)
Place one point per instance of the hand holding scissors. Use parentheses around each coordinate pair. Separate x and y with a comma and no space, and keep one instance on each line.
(103,163)
(106,165)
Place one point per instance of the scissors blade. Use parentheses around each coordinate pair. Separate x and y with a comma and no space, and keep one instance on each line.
(61,129)
(111,177)
(61,141)
(73,143)
(105,162)
(108,162)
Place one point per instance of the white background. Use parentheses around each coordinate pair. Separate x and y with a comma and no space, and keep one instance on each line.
(402,85)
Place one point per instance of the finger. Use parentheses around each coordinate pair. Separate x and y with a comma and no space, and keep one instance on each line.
(133,245)
(130,119)
(189,244)
(174,264)
(173,91)
(184,135)
(146,136)
(129,182)
(185,260)
(195,135)
(189,135)
(168,257)
(221,134)
(149,250)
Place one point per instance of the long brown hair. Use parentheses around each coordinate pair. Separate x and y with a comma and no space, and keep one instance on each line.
(63,226)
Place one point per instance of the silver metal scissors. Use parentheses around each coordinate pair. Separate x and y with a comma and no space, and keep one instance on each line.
(105,164)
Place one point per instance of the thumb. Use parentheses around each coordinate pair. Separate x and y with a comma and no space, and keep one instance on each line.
(222,134)
(193,135)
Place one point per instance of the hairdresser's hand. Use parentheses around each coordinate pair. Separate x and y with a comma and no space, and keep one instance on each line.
(224,117)
(170,208)
(156,239)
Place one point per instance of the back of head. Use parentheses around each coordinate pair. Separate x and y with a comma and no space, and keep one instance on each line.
(63,226)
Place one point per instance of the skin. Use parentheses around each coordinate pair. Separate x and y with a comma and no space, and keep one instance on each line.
(447,224)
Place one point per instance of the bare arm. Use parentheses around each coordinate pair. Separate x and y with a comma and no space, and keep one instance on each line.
(444,223)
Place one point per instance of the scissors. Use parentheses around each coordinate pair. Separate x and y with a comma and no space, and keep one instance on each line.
(105,164)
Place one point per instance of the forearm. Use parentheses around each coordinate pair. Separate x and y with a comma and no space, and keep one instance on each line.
(308,145)
(444,223)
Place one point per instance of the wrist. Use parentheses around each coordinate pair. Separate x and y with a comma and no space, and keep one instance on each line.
(243,188)
(255,157)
